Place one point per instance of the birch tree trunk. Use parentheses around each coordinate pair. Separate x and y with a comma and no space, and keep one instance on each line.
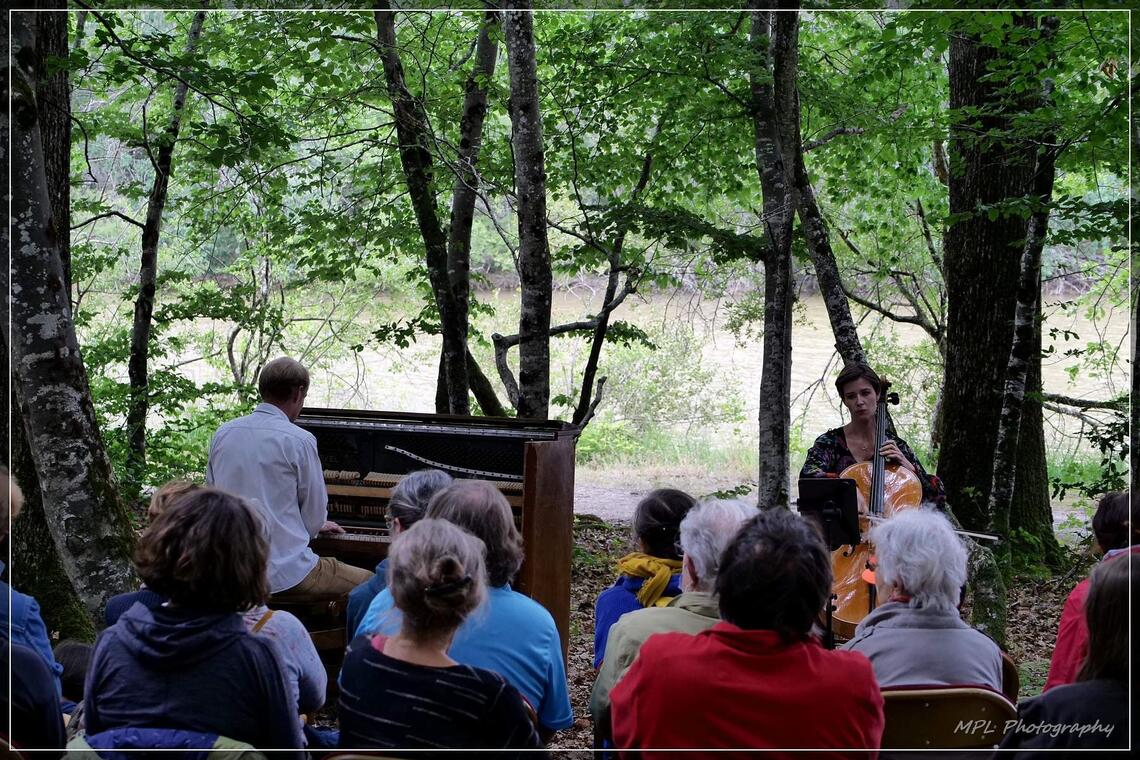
(53,100)
(412,129)
(139,359)
(535,275)
(1020,356)
(774,45)
(82,509)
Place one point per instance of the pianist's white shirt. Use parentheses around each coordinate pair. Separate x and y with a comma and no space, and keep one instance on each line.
(268,460)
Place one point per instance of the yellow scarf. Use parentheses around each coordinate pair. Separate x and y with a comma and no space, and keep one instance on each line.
(656,572)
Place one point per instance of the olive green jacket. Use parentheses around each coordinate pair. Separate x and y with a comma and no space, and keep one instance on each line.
(691,612)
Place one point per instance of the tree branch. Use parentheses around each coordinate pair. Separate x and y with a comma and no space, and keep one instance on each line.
(1116,404)
(831,135)
(106,214)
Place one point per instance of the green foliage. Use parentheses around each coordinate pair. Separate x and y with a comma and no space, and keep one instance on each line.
(288,227)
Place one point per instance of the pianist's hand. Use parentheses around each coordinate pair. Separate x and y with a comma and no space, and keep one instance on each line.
(331,527)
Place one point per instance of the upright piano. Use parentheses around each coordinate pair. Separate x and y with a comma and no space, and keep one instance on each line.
(365,453)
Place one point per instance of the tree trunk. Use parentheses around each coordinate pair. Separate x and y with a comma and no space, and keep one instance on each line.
(412,129)
(36,567)
(1030,513)
(535,274)
(137,364)
(773,41)
(466,188)
(1025,336)
(981,257)
(53,100)
(81,505)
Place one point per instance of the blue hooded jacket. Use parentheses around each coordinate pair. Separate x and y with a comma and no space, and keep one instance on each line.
(185,669)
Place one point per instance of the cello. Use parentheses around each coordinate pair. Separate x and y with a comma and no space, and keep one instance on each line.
(883,489)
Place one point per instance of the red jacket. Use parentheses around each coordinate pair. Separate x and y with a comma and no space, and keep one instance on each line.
(728,688)
(1073,634)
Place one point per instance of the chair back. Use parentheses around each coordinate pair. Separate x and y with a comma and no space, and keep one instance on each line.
(1010,678)
(945,717)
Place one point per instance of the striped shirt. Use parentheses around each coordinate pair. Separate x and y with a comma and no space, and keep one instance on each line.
(387,703)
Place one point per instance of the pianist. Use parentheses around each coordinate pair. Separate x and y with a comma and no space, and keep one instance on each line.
(273,463)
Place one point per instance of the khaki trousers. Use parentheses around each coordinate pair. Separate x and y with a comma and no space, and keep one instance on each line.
(328,576)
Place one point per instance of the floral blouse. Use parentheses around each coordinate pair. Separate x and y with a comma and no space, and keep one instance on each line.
(830,456)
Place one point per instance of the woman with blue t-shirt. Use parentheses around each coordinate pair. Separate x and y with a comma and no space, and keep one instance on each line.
(406,691)
(509,633)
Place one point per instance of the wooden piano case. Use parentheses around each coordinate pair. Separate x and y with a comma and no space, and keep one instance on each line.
(364,453)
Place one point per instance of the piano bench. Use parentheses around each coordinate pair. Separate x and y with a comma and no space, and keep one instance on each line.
(313,607)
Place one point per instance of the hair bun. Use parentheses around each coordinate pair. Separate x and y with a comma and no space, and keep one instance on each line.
(448,587)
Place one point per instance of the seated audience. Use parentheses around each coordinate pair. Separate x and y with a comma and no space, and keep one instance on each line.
(1092,712)
(652,576)
(37,723)
(19,613)
(915,635)
(406,506)
(1117,532)
(190,664)
(405,691)
(166,494)
(705,532)
(510,633)
(757,679)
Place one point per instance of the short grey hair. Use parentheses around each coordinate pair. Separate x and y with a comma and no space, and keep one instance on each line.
(705,532)
(411,495)
(919,553)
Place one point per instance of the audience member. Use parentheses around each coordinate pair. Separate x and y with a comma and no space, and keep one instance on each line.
(162,498)
(305,675)
(1117,532)
(405,691)
(649,577)
(916,636)
(265,458)
(190,664)
(74,657)
(705,532)
(757,679)
(20,617)
(32,703)
(406,506)
(1091,713)
(510,633)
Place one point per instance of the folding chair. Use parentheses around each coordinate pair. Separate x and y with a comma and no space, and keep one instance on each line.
(945,717)
(1010,678)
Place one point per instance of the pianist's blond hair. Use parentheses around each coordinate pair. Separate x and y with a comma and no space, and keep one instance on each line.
(280,378)
(436,576)
(479,508)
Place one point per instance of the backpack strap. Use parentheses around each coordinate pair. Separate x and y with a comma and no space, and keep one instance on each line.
(261,623)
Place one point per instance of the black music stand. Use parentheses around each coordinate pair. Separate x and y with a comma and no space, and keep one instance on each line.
(833,503)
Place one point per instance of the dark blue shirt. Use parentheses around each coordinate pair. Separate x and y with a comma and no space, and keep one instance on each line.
(617,600)
(361,597)
(120,603)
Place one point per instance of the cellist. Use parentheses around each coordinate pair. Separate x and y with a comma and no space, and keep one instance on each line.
(834,451)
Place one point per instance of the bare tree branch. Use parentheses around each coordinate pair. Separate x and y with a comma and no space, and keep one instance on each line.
(106,214)
(831,135)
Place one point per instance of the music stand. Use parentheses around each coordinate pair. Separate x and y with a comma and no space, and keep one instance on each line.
(833,503)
